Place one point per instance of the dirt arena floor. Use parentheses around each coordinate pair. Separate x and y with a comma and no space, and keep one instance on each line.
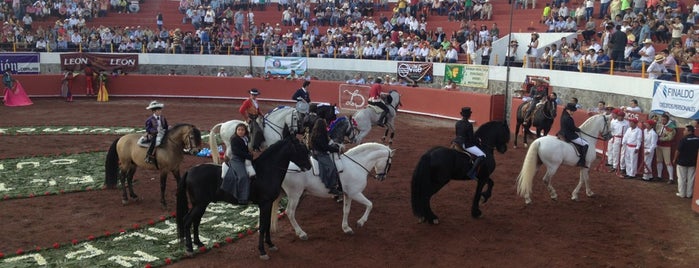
(629,223)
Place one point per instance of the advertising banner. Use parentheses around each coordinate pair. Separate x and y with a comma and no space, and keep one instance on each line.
(20,63)
(467,75)
(99,61)
(680,100)
(284,65)
(353,97)
(415,72)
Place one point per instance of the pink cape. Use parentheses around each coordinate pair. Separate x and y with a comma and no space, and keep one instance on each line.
(17,97)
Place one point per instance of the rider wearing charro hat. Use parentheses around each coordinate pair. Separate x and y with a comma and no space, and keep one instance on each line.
(466,139)
(250,109)
(156,126)
(569,132)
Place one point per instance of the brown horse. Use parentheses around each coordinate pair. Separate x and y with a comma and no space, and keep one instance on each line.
(125,155)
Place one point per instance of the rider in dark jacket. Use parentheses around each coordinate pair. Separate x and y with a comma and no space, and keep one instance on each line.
(569,132)
(320,143)
(466,139)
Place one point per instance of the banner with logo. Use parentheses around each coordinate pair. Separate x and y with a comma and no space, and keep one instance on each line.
(680,100)
(415,72)
(284,65)
(467,75)
(353,97)
(99,61)
(20,63)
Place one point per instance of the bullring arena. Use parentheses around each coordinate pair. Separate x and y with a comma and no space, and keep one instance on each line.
(628,223)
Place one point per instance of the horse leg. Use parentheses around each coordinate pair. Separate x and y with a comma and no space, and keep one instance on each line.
(265,221)
(191,221)
(475,210)
(583,179)
(489,190)
(519,124)
(547,181)
(293,202)
(196,221)
(122,178)
(130,182)
(368,206)
(525,135)
(163,183)
(383,139)
(441,180)
(347,204)
(586,179)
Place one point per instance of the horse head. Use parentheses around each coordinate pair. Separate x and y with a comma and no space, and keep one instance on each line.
(298,151)
(187,135)
(597,125)
(393,99)
(494,135)
(257,136)
(382,167)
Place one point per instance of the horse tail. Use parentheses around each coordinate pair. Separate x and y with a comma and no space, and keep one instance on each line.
(111,165)
(182,205)
(275,219)
(420,187)
(213,144)
(529,167)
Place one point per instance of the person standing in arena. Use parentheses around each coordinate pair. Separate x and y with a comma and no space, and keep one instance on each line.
(632,141)
(650,141)
(666,134)
(686,161)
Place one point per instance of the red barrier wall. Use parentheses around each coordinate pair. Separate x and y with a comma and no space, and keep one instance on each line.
(416,100)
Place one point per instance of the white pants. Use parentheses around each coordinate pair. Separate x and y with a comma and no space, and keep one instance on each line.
(685,180)
(648,161)
(475,151)
(579,141)
(631,160)
(615,151)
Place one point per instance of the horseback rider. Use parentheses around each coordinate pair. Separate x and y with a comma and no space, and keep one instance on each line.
(156,126)
(237,181)
(537,92)
(568,132)
(303,100)
(250,109)
(321,146)
(375,95)
(466,139)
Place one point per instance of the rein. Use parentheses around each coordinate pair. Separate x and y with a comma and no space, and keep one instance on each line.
(275,126)
(603,129)
(378,176)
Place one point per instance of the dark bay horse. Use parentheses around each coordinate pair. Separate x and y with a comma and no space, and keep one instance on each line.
(125,155)
(203,183)
(441,164)
(341,128)
(541,119)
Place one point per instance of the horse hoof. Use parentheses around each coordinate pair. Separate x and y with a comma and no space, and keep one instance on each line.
(574,198)
(273,248)
(264,257)
(188,253)
(526,146)
(476,214)
(435,221)
(360,224)
(303,237)
(350,232)
(514,146)
(420,220)
(124,202)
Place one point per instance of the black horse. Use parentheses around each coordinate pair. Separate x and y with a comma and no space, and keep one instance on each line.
(326,112)
(203,182)
(441,164)
(541,119)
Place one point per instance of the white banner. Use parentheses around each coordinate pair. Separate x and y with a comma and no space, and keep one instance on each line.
(680,100)
(284,65)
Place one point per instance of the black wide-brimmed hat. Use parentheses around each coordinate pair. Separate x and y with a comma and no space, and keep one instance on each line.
(571,107)
(465,111)
(254,91)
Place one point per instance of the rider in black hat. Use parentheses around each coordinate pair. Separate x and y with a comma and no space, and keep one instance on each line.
(466,139)
(569,132)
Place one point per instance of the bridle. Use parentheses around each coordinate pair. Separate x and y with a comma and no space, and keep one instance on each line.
(378,176)
(606,132)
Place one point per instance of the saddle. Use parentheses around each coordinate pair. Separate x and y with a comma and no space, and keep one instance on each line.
(525,107)
(376,109)
(315,167)
(144,141)
(458,148)
(576,147)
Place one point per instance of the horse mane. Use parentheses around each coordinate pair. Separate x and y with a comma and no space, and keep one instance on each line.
(272,150)
(486,130)
(197,133)
(589,121)
(363,148)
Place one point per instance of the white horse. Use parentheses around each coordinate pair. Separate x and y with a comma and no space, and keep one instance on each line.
(355,164)
(370,115)
(553,152)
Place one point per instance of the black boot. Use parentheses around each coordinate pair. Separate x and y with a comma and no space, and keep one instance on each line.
(382,118)
(150,158)
(476,164)
(583,155)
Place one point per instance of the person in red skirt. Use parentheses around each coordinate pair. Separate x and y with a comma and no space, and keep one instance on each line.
(89,74)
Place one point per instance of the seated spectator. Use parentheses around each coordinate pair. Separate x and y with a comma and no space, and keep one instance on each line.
(656,69)
(633,107)
(601,64)
(647,54)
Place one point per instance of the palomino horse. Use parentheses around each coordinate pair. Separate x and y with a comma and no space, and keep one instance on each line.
(203,184)
(441,164)
(541,119)
(370,115)
(553,152)
(125,155)
(226,130)
(357,163)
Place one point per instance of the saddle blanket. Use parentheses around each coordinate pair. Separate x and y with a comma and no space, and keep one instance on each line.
(315,168)
(376,109)
(143,141)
